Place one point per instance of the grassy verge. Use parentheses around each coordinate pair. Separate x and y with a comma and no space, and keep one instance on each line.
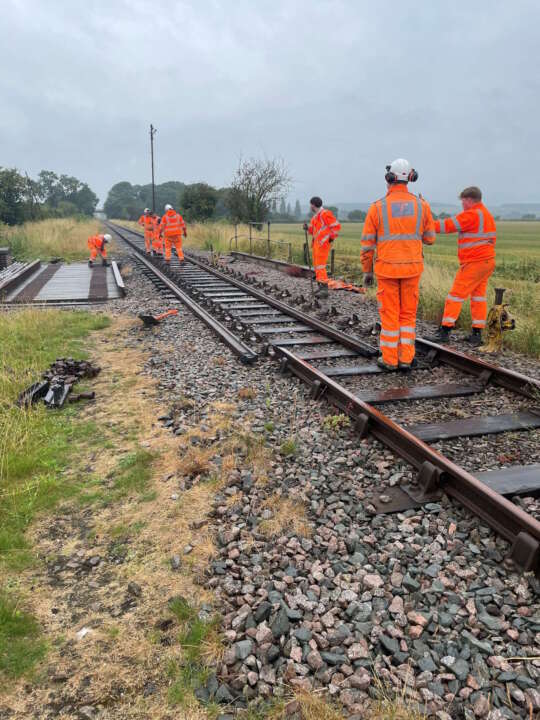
(518,267)
(46,239)
(35,445)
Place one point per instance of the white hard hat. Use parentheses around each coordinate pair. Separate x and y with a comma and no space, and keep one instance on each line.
(168,207)
(146,210)
(400,170)
(107,237)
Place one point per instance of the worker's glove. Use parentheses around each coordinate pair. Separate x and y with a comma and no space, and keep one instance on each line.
(331,240)
(368,279)
(305,226)
(185,233)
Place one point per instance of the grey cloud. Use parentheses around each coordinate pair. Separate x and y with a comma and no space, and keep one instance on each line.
(335,88)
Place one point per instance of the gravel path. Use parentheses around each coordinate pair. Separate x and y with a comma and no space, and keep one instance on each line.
(422,601)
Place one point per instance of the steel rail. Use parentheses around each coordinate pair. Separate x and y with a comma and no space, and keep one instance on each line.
(507,519)
(342,338)
(243,351)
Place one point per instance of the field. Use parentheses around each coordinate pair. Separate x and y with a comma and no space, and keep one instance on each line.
(518,267)
(65,238)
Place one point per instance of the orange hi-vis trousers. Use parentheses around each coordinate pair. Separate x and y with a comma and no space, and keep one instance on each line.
(397,300)
(157,245)
(321,251)
(175,240)
(147,240)
(471,281)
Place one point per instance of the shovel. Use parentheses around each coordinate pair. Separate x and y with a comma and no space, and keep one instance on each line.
(156,319)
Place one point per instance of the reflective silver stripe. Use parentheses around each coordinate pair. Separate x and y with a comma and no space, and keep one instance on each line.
(407,328)
(480,222)
(442,229)
(429,233)
(333,224)
(319,267)
(456,222)
(474,236)
(383,343)
(387,238)
(371,236)
(390,333)
(406,341)
(455,298)
(479,298)
(462,246)
(386,223)
(449,319)
(478,323)
(419,214)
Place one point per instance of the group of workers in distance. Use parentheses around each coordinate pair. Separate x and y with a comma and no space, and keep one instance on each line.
(396,228)
(161,234)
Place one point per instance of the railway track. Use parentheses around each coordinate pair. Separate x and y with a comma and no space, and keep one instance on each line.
(339,367)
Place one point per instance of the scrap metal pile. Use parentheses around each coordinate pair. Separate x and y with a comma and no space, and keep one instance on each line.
(57,382)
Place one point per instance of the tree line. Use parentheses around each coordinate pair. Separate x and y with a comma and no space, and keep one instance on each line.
(50,196)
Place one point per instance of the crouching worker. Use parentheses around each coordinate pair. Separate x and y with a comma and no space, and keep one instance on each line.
(97,244)
(324,229)
(395,227)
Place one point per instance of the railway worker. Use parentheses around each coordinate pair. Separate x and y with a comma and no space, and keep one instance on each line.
(395,227)
(324,228)
(146,222)
(157,240)
(477,235)
(173,228)
(97,246)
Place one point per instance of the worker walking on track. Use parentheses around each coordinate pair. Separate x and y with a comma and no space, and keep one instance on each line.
(173,228)
(146,222)
(324,228)
(477,235)
(97,244)
(395,228)
(157,240)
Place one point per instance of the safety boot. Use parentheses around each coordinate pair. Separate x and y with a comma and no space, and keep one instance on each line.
(407,366)
(386,366)
(90,263)
(475,338)
(322,291)
(442,334)
(105,263)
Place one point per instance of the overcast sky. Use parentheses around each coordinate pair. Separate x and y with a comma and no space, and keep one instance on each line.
(337,88)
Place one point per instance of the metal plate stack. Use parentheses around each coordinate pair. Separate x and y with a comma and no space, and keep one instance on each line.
(5,257)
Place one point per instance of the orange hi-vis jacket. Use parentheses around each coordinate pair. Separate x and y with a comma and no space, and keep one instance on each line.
(324,226)
(141,221)
(96,244)
(173,224)
(396,226)
(477,233)
(148,224)
(156,228)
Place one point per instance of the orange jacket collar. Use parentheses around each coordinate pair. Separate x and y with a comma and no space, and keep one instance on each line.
(398,188)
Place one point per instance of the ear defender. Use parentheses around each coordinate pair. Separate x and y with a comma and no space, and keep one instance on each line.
(413,175)
(390,177)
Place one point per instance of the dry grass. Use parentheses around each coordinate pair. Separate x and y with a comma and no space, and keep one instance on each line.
(65,238)
(288,516)
(247,393)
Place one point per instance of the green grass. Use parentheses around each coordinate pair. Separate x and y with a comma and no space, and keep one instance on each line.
(21,644)
(46,239)
(288,447)
(131,476)
(35,448)
(518,267)
(191,671)
(35,443)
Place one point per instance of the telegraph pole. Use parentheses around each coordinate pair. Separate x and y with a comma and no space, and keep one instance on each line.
(153,131)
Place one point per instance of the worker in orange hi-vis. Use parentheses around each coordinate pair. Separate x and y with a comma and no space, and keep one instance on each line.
(324,228)
(395,227)
(97,246)
(145,221)
(477,235)
(173,228)
(157,240)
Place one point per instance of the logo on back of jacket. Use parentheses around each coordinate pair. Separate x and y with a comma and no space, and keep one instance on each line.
(402,209)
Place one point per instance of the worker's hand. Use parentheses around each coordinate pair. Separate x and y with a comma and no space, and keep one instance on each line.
(368,279)
(305,226)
